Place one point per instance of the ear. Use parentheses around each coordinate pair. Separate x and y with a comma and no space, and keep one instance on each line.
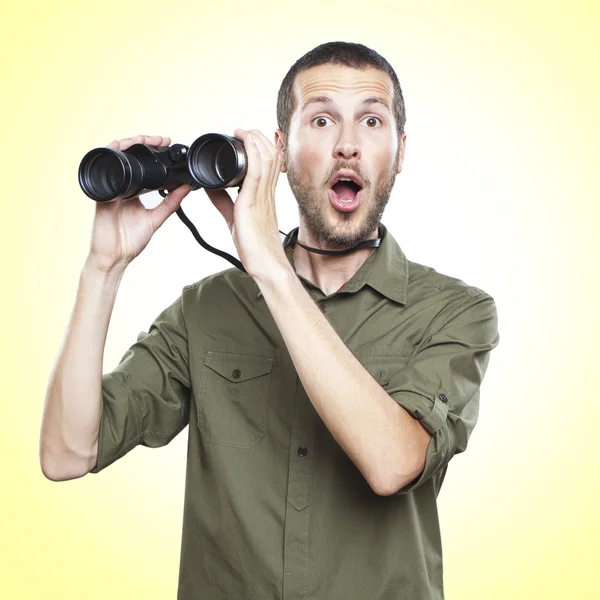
(280,146)
(401,149)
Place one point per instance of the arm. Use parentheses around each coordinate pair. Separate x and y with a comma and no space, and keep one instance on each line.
(382,439)
(401,436)
(73,404)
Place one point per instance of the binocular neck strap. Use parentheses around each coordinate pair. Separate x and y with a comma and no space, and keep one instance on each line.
(292,236)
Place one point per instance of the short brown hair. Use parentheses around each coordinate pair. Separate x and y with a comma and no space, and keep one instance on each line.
(348,54)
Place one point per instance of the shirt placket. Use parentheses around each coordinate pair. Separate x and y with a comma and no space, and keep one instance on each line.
(300,481)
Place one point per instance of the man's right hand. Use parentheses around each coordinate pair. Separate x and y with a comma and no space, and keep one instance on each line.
(123,228)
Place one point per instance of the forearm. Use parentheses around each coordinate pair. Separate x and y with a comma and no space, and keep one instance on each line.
(73,404)
(376,433)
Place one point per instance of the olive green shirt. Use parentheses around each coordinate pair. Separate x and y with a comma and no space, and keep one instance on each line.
(274,507)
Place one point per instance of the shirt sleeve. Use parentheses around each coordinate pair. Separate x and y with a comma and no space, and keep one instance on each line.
(440,385)
(146,399)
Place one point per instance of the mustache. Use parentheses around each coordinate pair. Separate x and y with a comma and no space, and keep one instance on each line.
(351,168)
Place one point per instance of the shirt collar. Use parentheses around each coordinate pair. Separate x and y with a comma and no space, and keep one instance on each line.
(386,270)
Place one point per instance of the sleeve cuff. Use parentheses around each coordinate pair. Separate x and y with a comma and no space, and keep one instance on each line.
(431,411)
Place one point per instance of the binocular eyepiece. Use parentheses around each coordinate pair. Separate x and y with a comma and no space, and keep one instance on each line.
(214,161)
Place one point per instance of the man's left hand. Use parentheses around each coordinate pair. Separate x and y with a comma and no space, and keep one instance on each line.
(252,218)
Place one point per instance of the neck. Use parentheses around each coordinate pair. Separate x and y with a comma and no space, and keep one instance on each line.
(328,273)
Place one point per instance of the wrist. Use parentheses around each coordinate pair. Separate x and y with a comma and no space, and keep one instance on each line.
(99,269)
(95,266)
(276,278)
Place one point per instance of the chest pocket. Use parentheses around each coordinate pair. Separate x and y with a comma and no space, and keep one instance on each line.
(232,399)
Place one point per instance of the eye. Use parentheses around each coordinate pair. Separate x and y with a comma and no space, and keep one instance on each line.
(316,119)
(372,118)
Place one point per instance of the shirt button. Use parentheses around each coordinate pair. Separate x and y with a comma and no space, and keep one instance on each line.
(302,451)
(323,308)
(443,397)
(236,374)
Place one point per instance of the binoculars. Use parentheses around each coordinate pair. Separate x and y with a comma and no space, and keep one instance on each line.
(214,161)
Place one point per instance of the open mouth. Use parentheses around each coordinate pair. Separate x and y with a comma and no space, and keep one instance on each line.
(346,189)
(346,194)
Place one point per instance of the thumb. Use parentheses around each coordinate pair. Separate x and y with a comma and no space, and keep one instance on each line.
(169,205)
(223,203)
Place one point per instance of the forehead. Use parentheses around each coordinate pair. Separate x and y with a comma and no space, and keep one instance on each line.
(340,80)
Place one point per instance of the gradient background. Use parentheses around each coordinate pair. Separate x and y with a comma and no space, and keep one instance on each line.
(499,188)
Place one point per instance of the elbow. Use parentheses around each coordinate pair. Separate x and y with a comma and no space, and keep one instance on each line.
(393,480)
(55,470)
(51,475)
(65,475)
(388,486)
(393,484)
(49,470)
(387,483)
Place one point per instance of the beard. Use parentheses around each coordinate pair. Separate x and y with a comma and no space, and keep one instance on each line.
(313,202)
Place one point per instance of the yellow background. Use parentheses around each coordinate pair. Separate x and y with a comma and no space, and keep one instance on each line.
(499,188)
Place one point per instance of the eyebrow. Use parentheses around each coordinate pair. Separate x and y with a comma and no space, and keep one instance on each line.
(328,100)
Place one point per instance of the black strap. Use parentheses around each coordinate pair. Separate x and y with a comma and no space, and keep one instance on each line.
(292,236)
(234,261)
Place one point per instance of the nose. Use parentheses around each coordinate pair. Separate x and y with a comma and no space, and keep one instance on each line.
(347,147)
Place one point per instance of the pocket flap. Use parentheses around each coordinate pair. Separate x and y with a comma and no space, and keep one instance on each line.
(238,367)
(381,368)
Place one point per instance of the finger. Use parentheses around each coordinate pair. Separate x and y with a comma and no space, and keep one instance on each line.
(266,149)
(127,142)
(266,161)
(164,142)
(148,140)
(169,205)
(152,140)
(240,134)
(259,136)
(253,174)
(270,162)
(223,203)
(274,151)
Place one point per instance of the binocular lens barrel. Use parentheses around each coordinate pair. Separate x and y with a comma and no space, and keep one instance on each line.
(217,161)
(104,174)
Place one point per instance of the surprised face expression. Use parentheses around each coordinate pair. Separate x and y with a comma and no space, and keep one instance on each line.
(343,152)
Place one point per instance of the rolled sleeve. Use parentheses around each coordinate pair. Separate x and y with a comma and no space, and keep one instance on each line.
(440,386)
(146,399)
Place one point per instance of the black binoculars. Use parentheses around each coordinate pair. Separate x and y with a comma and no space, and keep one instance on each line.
(214,161)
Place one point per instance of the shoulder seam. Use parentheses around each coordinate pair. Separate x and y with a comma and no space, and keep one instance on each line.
(471,290)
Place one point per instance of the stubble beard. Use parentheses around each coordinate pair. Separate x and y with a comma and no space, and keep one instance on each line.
(313,204)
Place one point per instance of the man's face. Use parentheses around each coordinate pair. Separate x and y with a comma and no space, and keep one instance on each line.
(344,132)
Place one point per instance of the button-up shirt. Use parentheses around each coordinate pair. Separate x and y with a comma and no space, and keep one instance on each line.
(274,507)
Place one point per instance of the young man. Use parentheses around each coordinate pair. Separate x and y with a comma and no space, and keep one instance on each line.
(325,391)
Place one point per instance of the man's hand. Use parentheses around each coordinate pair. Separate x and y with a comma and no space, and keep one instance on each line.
(252,219)
(122,228)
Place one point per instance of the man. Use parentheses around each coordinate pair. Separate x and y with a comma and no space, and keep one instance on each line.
(325,391)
